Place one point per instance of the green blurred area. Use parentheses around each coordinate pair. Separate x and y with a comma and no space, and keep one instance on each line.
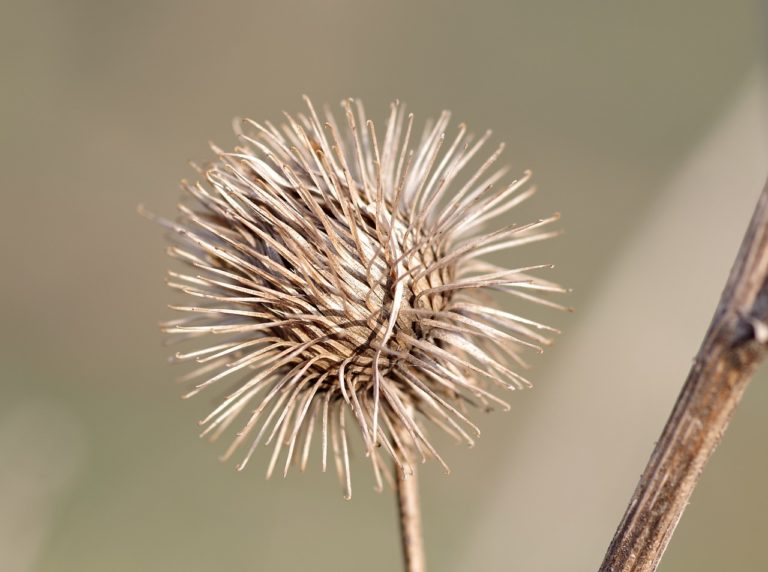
(103,104)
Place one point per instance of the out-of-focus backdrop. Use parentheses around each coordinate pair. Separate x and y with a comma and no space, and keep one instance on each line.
(645,126)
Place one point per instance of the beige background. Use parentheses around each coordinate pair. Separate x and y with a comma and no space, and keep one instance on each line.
(645,127)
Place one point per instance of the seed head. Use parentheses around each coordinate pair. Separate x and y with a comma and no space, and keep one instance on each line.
(335,280)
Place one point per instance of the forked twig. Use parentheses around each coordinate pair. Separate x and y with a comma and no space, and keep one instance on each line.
(734,345)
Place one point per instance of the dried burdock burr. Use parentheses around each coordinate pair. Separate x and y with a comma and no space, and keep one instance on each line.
(336,282)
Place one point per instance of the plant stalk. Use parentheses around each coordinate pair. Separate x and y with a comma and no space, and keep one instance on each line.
(410,521)
(734,345)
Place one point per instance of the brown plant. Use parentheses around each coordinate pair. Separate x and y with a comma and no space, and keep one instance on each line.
(335,278)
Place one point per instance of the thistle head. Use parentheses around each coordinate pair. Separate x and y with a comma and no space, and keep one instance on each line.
(336,282)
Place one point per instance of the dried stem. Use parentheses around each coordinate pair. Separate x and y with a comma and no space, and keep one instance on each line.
(734,345)
(410,522)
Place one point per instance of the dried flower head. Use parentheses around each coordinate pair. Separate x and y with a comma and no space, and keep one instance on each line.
(337,281)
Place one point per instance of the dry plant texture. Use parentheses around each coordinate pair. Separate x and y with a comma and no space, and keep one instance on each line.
(335,280)
(733,347)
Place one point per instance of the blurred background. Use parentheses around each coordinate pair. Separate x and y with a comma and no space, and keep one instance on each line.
(645,126)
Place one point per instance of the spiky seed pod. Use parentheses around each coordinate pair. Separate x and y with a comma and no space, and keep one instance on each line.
(336,279)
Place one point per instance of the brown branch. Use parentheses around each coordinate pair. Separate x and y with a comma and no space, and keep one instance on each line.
(410,521)
(734,345)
